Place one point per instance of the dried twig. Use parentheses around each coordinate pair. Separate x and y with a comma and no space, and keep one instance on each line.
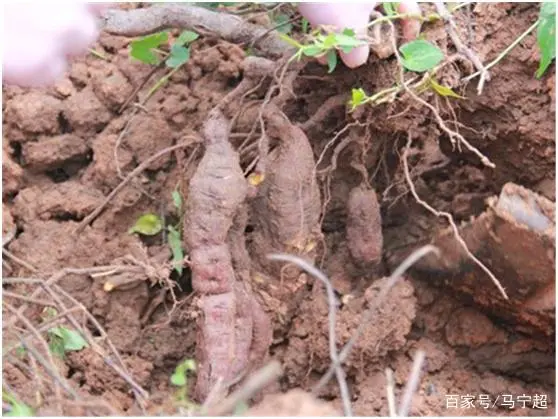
(390,392)
(412,384)
(451,27)
(334,356)
(172,15)
(87,220)
(367,316)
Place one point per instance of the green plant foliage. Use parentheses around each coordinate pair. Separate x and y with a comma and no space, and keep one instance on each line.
(148,225)
(177,201)
(390,8)
(443,90)
(17,408)
(358,97)
(282,19)
(179,378)
(546,36)
(186,37)
(62,340)
(178,55)
(175,244)
(326,46)
(142,49)
(420,55)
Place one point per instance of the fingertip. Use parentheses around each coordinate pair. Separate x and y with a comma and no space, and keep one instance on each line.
(357,57)
(410,27)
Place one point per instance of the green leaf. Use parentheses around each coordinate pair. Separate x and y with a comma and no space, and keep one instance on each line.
(443,90)
(71,340)
(178,55)
(347,43)
(331,60)
(330,41)
(140,49)
(358,96)
(312,50)
(390,8)
(177,200)
(186,37)
(420,55)
(17,408)
(148,225)
(175,244)
(56,346)
(349,32)
(178,378)
(282,19)
(546,37)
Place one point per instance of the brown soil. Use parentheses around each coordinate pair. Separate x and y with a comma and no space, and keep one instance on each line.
(59,165)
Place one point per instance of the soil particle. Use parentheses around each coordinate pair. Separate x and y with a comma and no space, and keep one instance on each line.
(470,328)
(85,113)
(148,135)
(79,74)
(33,113)
(62,201)
(12,173)
(8,224)
(103,172)
(49,153)
(111,87)
(293,403)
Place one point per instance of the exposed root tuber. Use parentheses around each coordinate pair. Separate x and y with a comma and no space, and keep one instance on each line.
(213,219)
(287,206)
(364,227)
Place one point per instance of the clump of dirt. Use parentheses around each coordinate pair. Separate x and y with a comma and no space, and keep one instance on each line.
(67,147)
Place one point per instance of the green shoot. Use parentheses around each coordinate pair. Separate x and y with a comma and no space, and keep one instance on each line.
(16,407)
(180,379)
(325,45)
(546,36)
(147,225)
(62,340)
(390,8)
(175,244)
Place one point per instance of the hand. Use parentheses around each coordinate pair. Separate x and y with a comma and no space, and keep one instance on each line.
(39,39)
(356,17)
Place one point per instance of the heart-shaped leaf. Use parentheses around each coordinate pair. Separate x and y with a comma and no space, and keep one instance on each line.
(420,55)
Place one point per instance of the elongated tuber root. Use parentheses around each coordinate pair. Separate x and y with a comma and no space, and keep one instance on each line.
(229,311)
(364,227)
(287,206)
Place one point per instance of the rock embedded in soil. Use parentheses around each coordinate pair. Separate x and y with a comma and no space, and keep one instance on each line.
(51,153)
